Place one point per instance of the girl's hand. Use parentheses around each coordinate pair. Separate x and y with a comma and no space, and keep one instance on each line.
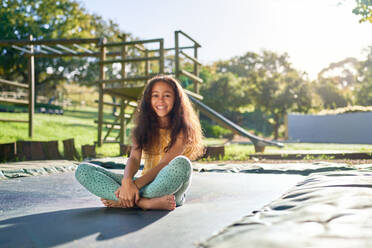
(128,193)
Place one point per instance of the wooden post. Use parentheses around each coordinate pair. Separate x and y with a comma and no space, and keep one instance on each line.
(30,150)
(161,55)
(69,150)
(100,90)
(286,126)
(122,122)
(31,89)
(196,70)
(176,55)
(147,64)
(88,151)
(51,149)
(7,152)
(216,152)
(123,55)
(125,150)
(122,103)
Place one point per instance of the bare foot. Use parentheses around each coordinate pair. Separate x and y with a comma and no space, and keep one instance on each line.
(111,204)
(167,202)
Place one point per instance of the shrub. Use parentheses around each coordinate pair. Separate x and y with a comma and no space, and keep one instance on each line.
(214,131)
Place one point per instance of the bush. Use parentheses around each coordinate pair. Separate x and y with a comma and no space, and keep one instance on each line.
(214,131)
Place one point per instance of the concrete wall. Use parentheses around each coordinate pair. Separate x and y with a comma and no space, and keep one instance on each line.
(349,128)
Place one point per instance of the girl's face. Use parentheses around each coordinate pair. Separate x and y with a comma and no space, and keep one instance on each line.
(162,99)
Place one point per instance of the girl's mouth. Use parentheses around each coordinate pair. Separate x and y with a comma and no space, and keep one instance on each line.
(161,107)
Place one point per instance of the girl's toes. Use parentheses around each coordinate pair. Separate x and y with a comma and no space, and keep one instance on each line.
(105,202)
(171,198)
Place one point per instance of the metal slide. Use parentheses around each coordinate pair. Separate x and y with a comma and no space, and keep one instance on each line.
(257,141)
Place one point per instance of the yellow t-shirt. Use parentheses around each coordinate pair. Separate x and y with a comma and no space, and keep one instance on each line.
(157,153)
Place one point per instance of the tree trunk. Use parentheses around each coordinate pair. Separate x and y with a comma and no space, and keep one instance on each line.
(276,126)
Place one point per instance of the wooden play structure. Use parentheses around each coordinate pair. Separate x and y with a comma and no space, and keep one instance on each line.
(33,49)
(30,88)
(146,59)
(129,86)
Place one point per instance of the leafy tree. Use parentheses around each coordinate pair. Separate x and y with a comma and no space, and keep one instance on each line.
(336,83)
(343,72)
(277,94)
(270,84)
(363,9)
(49,19)
(331,94)
(241,66)
(364,81)
(244,66)
(224,92)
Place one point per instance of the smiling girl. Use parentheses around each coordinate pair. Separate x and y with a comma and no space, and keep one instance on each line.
(167,134)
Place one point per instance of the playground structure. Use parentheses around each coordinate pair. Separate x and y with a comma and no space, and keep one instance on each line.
(146,59)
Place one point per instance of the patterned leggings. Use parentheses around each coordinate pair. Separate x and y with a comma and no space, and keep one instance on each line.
(175,178)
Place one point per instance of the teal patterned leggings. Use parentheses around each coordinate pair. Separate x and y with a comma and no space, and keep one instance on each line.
(175,179)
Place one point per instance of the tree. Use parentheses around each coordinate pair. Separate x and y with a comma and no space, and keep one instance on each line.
(363,9)
(331,95)
(49,19)
(336,83)
(364,81)
(224,93)
(276,94)
(343,72)
(270,84)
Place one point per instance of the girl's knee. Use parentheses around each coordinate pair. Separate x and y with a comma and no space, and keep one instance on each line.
(181,164)
(82,172)
(181,161)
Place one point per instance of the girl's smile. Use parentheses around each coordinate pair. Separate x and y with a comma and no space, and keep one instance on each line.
(162,100)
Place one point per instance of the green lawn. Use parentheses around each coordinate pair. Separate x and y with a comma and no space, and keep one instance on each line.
(79,124)
(241,152)
(73,124)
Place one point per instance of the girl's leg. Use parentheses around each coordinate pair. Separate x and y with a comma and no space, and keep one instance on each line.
(103,183)
(99,181)
(175,178)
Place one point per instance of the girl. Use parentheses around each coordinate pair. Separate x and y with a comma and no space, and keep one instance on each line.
(167,134)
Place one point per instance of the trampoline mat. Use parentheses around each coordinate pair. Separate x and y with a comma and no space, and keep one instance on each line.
(55,210)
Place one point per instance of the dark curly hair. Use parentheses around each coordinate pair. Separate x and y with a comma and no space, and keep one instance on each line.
(182,120)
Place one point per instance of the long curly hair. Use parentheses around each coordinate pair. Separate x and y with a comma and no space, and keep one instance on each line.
(182,120)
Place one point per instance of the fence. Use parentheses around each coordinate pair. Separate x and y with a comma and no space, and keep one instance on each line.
(348,128)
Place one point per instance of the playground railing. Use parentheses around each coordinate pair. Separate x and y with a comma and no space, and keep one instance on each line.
(14,100)
(194,76)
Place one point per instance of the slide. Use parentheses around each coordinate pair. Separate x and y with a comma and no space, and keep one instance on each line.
(257,141)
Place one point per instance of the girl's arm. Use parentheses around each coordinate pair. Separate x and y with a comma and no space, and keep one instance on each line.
(176,150)
(133,163)
(128,193)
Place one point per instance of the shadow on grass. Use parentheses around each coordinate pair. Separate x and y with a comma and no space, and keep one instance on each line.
(56,228)
(84,114)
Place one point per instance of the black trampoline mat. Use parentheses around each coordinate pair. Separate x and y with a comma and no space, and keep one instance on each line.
(55,210)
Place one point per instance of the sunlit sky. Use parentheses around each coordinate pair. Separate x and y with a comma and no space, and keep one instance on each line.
(314,33)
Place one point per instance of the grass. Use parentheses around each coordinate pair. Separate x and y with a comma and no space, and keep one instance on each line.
(79,124)
(241,152)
